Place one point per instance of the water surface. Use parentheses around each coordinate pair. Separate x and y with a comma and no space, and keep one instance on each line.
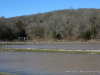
(82,46)
(32,63)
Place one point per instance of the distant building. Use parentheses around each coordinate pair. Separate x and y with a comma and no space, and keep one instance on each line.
(22,38)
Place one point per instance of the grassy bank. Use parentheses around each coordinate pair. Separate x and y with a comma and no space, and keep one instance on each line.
(1,73)
(49,51)
(43,42)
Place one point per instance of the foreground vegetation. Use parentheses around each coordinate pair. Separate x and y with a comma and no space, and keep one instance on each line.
(1,73)
(61,24)
(50,51)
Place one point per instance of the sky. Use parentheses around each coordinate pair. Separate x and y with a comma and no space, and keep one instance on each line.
(14,8)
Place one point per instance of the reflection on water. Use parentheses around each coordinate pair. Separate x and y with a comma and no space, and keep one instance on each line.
(82,46)
(29,63)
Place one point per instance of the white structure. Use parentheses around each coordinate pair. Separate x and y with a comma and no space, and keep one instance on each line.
(22,38)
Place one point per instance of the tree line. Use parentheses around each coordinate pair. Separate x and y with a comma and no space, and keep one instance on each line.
(60,24)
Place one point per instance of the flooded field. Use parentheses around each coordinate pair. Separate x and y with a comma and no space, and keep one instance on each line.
(82,46)
(42,63)
(31,63)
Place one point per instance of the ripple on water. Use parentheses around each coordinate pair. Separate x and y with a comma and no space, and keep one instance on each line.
(28,63)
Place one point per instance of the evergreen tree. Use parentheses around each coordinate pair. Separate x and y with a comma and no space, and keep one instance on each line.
(41,32)
(21,28)
(93,31)
(54,35)
(38,32)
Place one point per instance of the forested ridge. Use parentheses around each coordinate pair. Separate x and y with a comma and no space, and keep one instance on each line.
(60,24)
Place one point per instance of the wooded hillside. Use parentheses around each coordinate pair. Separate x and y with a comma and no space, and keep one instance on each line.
(61,24)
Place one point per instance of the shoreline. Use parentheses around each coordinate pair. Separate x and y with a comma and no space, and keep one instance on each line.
(3,49)
(18,43)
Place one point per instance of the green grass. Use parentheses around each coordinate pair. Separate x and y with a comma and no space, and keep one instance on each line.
(1,73)
(49,51)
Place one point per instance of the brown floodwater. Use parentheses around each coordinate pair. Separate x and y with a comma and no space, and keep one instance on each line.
(82,46)
(33,63)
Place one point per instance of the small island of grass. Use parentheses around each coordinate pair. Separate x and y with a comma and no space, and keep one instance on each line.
(50,50)
(1,73)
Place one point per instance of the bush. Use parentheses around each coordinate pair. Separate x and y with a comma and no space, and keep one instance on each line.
(86,35)
(58,36)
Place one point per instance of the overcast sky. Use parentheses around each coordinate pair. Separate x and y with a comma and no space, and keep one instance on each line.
(13,8)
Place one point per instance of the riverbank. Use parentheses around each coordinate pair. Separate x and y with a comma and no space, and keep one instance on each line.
(47,41)
(28,43)
(49,50)
(1,73)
